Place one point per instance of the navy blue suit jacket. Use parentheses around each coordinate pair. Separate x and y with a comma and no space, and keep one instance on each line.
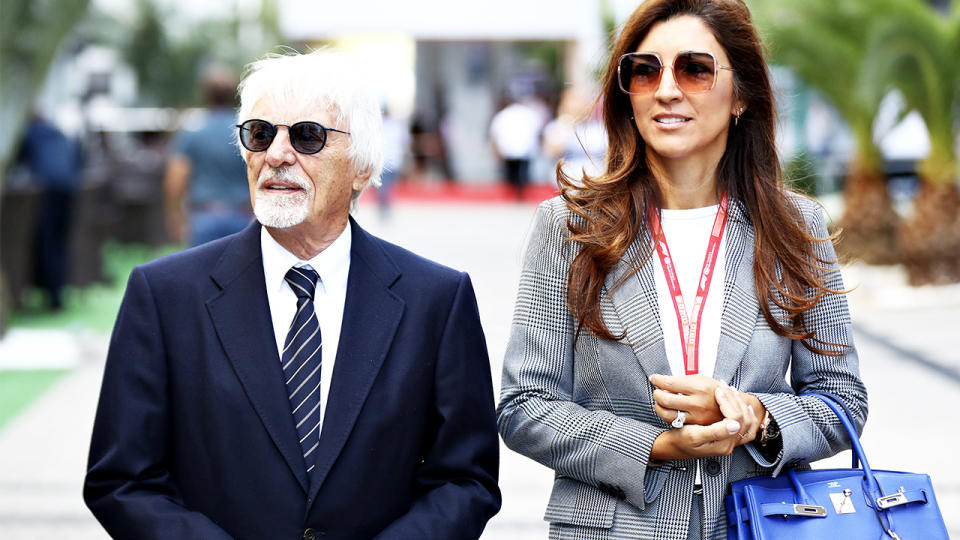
(194,437)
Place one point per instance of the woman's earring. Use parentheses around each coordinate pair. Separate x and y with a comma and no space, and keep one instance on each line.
(736,117)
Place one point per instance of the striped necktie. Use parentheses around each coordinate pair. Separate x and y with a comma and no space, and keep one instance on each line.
(301,363)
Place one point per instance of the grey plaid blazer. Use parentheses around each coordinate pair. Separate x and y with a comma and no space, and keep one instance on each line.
(586,410)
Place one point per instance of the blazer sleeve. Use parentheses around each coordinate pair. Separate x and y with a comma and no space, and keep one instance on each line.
(537,415)
(458,476)
(808,428)
(128,486)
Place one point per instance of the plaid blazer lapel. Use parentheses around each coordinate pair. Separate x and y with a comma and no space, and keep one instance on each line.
(631,309)
(740,306)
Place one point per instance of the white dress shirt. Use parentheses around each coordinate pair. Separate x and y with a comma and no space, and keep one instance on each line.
(333,267)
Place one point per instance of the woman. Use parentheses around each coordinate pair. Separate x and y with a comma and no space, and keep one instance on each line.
(645,384)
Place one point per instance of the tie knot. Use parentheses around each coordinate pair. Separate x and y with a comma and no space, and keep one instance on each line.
(303,281)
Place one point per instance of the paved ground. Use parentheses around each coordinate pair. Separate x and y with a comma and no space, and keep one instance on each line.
(910,361)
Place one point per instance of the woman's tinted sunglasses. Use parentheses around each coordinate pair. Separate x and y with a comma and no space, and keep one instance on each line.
(694,72)
(305,137)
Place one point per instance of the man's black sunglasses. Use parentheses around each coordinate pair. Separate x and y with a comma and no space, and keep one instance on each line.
(305,137)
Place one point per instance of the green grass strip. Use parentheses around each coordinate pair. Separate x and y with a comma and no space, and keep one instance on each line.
(95,306)
(18,388)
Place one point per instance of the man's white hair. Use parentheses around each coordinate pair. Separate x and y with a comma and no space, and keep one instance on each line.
(325,79)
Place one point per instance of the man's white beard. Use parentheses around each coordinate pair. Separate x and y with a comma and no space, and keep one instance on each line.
(282,210)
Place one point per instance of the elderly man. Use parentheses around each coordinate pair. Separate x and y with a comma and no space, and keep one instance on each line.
(301,378)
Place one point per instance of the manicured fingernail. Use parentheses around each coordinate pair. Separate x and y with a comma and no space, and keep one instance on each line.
(733,427)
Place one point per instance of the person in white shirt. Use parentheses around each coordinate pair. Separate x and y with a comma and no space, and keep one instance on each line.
(515,134)
(663,301)
(301,378)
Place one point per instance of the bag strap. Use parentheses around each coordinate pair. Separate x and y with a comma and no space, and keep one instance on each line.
(836,400)
(881,502)
(846,419)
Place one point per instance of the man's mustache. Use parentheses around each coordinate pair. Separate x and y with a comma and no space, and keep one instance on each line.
(283,173)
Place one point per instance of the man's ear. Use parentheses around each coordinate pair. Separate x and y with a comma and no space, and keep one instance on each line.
(361,179)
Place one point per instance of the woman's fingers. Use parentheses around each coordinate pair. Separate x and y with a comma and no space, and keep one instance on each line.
(693,394)
(684,384)
(751,427)
(717,439)
(729,405)
(736,405)
(669,400)
(664,412)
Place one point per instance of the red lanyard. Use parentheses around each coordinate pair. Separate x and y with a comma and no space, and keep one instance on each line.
(690,330)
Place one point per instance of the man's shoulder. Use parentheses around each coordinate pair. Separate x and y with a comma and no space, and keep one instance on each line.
(198,261)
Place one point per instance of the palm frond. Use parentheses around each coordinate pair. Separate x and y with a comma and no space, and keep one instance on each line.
(826,44)
(916,53)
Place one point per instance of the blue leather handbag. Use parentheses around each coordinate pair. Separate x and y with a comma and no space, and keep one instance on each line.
(852,504)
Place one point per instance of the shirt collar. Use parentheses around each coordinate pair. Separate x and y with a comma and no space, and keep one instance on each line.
(331,264)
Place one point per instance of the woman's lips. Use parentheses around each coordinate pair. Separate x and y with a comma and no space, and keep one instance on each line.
(670,121)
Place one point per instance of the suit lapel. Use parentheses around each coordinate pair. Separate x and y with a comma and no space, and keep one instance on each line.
(635,310)
(241,317)
(740,306)
(371,315)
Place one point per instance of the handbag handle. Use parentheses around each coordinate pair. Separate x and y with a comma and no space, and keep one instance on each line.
(846,419)
(855,459)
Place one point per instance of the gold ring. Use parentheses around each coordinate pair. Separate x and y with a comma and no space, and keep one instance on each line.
(741,435)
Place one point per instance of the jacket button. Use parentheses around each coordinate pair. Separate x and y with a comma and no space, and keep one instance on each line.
(310,534)
(713,467)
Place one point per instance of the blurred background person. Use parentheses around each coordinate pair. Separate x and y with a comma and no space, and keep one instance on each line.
(515,136)
(576,135)
(428,146)
(55,164)
(396,140)
(206,197)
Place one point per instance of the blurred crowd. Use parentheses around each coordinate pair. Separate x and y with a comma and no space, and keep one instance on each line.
(183,182)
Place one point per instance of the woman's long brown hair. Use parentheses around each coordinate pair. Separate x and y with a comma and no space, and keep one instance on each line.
(610,210)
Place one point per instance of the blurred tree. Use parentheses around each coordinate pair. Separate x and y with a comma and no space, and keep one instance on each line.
(826,43)
(31,32)
(916,52)
(165,70)
(167,53)
(608,19)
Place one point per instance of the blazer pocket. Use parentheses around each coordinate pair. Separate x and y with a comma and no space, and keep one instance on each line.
(653,482)
(574,503)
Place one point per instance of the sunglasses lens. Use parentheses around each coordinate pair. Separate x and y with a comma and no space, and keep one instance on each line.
(307,137)
(695,72)
(256,135)
(639,73)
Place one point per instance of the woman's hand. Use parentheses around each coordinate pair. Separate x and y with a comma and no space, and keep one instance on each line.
(744,408)
(707,403)
(693,394)
(693,441)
